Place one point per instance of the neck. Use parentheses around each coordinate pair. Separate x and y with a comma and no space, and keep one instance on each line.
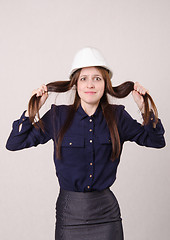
(89,108)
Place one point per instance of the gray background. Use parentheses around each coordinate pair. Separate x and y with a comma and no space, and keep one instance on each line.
(38,40)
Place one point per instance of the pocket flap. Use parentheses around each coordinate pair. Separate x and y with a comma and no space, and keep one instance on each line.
(104,139)
(73,141)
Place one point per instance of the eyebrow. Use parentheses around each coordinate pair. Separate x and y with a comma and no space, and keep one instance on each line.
(95,75)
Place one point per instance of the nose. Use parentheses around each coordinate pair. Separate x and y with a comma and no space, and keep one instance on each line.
(90,83)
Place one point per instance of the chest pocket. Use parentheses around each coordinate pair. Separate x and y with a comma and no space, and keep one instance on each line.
(104,139)
(73,141)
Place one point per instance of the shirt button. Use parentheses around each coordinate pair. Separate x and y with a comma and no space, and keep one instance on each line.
(88,186)
(90,130)
(151,118)
(91,163)
(70,143)
(91,141)
(90,120)
(90,175)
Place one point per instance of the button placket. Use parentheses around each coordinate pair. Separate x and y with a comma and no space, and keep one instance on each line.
(91,130)
(90,141)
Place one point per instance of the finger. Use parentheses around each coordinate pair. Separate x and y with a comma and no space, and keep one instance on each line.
(144,91)
(41,90)
(136,85)
(34,92)
(141,90)
(44,87)
(137,97)
(136,93)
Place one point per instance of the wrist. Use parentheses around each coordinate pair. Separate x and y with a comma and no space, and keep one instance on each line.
(142,110)
(26,114)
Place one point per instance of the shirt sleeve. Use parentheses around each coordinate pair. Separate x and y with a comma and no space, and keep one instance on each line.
(144,135)
(28,135)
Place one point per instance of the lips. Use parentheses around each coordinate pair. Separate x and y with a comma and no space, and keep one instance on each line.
(90,92)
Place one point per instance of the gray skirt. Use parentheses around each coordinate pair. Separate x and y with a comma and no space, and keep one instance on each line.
(88,216)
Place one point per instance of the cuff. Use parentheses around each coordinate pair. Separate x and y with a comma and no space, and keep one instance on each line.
(151,118)
(23,117)
(26,124)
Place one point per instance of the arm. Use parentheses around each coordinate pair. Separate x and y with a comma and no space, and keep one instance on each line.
(150,135)
(144,135)
(27,135)
(24,134)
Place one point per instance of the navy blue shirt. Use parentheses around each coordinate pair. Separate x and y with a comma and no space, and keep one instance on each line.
(86,147)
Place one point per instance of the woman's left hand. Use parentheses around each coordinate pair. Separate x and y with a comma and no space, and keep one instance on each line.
(137,93)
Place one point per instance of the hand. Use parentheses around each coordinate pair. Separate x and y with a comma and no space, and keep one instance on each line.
(42,91)
(137,93)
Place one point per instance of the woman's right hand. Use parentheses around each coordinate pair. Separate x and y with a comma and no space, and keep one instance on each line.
(41,91)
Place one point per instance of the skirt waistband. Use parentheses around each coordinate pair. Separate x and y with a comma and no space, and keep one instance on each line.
(82,208)
(83,195)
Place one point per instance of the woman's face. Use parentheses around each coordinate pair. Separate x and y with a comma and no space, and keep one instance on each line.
(90,85)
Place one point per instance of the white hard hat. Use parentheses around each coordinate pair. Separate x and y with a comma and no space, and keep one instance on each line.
(89,57)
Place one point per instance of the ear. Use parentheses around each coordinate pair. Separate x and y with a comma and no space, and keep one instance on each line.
(74,87)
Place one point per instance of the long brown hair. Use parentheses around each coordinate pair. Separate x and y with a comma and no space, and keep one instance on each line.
(120,91)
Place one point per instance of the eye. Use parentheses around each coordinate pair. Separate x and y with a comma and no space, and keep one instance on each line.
(97,78)
(82,79)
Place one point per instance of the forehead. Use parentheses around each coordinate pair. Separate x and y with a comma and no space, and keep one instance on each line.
(90,71)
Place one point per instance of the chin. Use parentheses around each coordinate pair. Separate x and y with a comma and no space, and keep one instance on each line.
(91,101)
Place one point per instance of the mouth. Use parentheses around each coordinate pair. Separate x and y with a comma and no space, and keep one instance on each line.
(90,92)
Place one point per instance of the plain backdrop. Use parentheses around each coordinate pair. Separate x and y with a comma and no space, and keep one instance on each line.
(38,40)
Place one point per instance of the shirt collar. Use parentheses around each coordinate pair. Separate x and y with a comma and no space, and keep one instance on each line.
(83,114)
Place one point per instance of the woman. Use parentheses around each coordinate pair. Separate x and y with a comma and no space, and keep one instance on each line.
(88,137)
